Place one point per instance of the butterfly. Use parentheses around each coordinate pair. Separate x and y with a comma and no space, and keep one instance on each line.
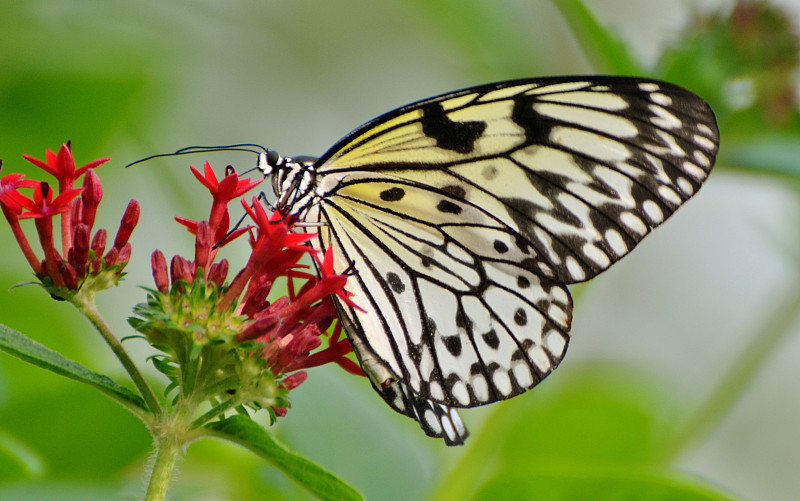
(466,215)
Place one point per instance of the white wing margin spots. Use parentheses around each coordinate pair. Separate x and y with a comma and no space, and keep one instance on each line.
(436,420)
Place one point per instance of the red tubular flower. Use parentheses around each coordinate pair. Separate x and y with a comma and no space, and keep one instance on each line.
(223,192)
(75,263)
(291,331)
(11,204)
(44,205)
(62,166)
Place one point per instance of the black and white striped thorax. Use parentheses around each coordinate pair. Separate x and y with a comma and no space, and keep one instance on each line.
(294,181)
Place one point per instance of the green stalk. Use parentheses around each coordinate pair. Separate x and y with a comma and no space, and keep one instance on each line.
(89,309)
(736,380)
(169,448)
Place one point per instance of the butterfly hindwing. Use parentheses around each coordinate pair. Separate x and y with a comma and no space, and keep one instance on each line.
(478,323)
(437,420)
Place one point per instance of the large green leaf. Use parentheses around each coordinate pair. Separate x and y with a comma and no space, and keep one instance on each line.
(251,435)
(592,417)
(29,350)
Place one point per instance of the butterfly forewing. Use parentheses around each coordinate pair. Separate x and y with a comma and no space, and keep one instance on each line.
(466,215)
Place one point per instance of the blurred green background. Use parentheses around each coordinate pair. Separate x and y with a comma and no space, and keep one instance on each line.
(683,371)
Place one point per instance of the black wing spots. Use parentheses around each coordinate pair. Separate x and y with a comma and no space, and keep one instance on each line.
(454,136)
(462,320)
(449,207)
(522,346)
(395,283)
(428,337)
(491,339)
(455,191)
(520,317)
(453,344)
(541,307)
(500,247)
(394,194)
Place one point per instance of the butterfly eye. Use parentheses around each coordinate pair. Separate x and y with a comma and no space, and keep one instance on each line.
(264,165)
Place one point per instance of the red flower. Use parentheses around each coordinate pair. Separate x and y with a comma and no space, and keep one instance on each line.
(9,195)
(292,330)
(75,263)
(62,166)
(43,205)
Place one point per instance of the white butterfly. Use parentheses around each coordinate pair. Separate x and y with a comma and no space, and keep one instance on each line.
(466,215)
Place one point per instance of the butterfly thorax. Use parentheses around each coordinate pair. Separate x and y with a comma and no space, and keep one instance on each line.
(293,181)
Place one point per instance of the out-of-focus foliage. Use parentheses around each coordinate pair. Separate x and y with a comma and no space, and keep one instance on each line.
(745,62)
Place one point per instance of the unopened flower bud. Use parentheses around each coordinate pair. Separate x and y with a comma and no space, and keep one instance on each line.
(160,274)
(181,269)
(218,272)
(128,223)
(92,194)
(80,250)
(99,242)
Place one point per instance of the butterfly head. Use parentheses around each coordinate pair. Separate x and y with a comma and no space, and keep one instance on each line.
(293,180)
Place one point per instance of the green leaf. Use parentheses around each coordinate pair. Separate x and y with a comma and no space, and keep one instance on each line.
(251,435)
(594,416)
(603,48)
(579,484)
(37,354)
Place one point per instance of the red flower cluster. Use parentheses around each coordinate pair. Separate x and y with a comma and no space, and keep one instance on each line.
(81,254)
(291,327)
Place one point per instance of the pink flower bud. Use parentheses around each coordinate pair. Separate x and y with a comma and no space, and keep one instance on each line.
(128,223)
(80,249)
(218,272)
(295,380)
(159,264)
(99,242)
(70,276)
(181,269)
(92,194)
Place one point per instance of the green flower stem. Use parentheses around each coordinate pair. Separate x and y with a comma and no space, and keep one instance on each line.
(169,447)
(737,379)
(89,309)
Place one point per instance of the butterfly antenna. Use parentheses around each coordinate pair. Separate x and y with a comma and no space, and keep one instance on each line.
(255,149)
